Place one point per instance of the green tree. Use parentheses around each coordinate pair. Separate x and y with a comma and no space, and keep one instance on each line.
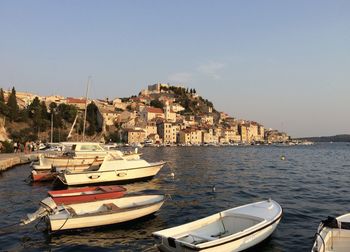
(2,96)
(3,107)
(67,112)
(12,105)
(91,117)
(157,104)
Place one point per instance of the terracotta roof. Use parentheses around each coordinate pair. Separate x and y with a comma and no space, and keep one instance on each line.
(75,100)
(154,110)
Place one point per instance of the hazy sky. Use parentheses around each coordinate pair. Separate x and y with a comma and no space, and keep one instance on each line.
(285,64)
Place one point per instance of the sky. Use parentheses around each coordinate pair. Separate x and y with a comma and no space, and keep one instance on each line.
(285,64)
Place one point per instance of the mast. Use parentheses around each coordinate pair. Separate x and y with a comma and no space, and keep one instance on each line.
(86,101)
(71,129)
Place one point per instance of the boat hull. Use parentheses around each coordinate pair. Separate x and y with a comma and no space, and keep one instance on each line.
(232,246)
(93,220)
(122,175)
(41,176)
(235,229)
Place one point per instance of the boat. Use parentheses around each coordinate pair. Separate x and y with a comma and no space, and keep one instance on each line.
(95,213)
(333,234)
(235,229)
(41,176)
(114,168)
(78,155)
(86,194)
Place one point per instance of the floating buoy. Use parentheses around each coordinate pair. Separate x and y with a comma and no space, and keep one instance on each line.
(172,175)
(213,188)
(283,157)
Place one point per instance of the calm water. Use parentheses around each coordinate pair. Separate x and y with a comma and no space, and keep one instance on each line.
(310,184)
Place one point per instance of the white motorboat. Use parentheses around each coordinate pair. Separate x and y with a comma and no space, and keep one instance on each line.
(235,229)
(333,234)
(114,168)
(96,213)
(78,155)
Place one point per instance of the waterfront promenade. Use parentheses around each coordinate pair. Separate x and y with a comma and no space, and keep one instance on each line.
(12,159)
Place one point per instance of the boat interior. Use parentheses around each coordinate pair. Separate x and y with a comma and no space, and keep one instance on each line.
(222,227)
(337,240)
(113,205)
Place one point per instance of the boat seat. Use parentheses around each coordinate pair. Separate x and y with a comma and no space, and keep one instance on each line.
(111,207)
(202,237)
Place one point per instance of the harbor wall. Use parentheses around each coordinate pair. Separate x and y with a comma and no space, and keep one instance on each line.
(8,161)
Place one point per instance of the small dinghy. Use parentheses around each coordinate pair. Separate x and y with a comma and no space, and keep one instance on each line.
(41,176)
(333,234)
(235,229)
(86,194)
(96,213)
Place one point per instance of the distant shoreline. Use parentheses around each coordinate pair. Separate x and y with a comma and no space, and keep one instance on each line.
(337,138)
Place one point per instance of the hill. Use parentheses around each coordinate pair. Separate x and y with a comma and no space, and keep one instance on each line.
(336,138)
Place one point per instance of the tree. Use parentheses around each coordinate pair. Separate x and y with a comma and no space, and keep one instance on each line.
(67,112)
(91,117)
(157,104)
(3,107)
(2,96)
(12,105)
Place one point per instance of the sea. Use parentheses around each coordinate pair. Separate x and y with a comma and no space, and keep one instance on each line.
(309,182)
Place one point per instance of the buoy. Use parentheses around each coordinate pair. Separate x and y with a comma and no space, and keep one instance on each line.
(213,188)
(283,157)
(172,175)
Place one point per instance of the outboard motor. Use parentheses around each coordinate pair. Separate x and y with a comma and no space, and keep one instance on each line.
(47,206)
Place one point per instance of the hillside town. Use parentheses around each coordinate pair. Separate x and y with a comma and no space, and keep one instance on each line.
(165,115)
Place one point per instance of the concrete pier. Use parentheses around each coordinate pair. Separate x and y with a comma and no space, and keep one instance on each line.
(10,160)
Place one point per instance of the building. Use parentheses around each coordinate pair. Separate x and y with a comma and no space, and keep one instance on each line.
(78,102)
(208,136)
(190,136)
(166,132)
(151,128)
(134,136)
(229,135)
(170,115)
(118,104)
(176,107)
(157,88)
(149,113)
(274,136)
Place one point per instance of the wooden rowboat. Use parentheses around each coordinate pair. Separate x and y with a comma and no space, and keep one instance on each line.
(333,234)
(235,229)
(86,194)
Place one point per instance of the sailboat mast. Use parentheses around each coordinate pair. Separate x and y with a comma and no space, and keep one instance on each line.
(86,101)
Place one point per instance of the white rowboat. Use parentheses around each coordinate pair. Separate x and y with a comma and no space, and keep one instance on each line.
(333,234)
(235,229)
(104,212)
